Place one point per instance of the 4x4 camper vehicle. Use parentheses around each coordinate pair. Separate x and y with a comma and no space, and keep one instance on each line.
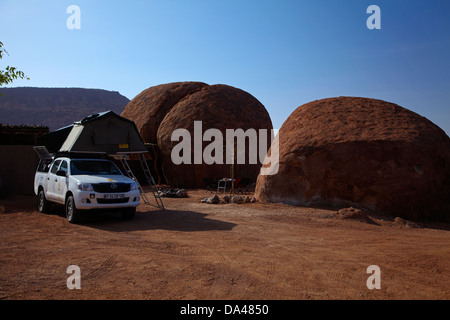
(83,184)
(75,167)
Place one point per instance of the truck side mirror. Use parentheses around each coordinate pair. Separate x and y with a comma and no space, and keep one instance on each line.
(61,173)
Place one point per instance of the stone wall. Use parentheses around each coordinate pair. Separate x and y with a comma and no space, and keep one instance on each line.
(18,165)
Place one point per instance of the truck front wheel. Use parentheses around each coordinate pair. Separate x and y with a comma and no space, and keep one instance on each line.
(72,212)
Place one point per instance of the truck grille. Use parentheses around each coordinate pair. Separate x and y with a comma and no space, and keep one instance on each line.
(111,187)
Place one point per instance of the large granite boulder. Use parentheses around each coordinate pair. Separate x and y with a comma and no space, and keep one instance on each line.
(365,153)
(217,107)
(149,108)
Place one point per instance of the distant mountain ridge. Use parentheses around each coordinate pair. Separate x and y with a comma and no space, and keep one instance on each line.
(55,107)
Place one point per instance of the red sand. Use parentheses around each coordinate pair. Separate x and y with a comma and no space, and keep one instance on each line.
(231,251)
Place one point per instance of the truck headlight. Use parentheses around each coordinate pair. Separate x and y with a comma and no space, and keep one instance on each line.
(134,186)
(85,187)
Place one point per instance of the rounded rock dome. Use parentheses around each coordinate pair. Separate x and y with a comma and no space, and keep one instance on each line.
(362,152)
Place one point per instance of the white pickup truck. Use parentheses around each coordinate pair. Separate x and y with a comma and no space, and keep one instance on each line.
(82,184)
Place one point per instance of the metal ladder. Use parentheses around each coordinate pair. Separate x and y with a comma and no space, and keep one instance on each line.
(148,175)
(151,181)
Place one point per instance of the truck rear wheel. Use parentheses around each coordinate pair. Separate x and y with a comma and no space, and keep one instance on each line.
(42,202)
(72,212)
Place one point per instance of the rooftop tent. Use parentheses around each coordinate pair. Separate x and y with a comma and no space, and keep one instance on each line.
(54,140)
(104,132)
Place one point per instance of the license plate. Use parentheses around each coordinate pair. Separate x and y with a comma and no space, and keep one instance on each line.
(114,196)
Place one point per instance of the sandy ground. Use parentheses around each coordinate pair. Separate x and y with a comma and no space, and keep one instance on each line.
(193,250)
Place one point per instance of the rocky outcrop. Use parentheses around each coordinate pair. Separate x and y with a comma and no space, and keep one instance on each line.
(219,107)
(158,111)
(365,153)
(149,108)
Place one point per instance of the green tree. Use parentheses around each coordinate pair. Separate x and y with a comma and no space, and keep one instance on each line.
(10,73)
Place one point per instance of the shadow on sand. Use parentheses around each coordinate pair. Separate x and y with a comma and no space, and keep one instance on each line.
(187,221)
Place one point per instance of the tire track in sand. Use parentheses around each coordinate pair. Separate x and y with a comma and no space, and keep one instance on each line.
(106,267)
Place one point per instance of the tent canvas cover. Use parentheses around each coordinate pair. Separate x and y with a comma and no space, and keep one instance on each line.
(104,132)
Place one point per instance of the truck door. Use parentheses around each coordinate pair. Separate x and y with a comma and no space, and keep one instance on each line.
(52,181)
(61,183)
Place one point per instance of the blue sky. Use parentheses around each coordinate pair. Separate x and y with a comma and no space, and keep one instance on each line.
(285,53)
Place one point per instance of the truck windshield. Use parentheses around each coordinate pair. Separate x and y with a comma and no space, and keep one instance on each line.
(93,167)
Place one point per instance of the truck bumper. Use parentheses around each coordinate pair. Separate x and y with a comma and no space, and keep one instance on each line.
(85,200)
